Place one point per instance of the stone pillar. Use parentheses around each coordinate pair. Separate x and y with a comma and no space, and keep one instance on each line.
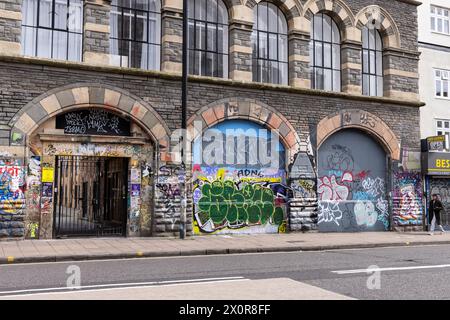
(351,67)
(241,51)
(299,60)
(401,75)
(172,36)
(96,32)
(10,26)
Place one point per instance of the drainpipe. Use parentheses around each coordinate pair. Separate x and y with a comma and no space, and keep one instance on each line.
(183,120)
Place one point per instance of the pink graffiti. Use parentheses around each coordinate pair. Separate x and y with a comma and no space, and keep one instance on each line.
(330,189)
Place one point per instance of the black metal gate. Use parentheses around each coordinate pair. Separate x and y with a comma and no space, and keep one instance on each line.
(90,196)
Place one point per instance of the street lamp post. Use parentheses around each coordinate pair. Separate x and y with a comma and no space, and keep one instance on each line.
(183,119)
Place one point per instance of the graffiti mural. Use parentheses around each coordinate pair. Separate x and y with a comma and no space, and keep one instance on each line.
(351,186)
(441,187)
(241,197)
(407,199)
(33,195)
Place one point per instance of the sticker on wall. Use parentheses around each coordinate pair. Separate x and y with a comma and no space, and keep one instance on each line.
(135,190)
(135,175)
(47,189)
(48,174)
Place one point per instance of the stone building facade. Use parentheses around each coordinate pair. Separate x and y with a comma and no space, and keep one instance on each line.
(346,155)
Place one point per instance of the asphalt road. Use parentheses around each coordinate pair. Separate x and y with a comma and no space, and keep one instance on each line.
(406,273)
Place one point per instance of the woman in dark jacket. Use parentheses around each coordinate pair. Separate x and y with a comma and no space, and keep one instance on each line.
(435,213)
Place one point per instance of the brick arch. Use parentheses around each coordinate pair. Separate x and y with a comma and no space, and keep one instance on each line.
(337,9)
(290,8)
(84,95)
(363,120)
(247,109)
(385,24)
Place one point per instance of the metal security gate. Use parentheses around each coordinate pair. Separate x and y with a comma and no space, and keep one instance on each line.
(90,196)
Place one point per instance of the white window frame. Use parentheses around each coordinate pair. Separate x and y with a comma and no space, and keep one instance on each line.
(440,15)
(443,131)
(441,82)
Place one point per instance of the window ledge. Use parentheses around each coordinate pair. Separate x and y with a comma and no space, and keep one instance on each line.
(68,65)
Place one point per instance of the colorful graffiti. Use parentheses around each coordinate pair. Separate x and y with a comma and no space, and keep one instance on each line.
(90,149)
(351,185)
(12,198)
(33,196)
(304,189)
(232,202)
(407,199)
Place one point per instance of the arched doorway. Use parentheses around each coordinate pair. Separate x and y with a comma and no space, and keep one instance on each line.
(91,152)
(239,174)
(352,188)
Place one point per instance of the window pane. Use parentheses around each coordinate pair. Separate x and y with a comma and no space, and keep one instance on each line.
(283,47)
(326,28)
(272,18)
(328,80)
(140,29)
(284,73)
(28,41)
(318,27)
(337,81)
(29,12)
(191,8)
(211,64)
(336,56)
(318,59)
(211,14)
(211,43)
(262,17)
(327,55)
(223,13)
(365,37)
(263,45)
(273,45)
(373,85)
(438,88)
(379,63)
(336,33)
(75,22)
(366,86)
(372,62)
(200,9)
(372,39)
(223,39)
(44,43)
(60,14)
(200,34)
(380,86)
(45,13)
(75,41)
(318,78)
(445,89)
(154,58)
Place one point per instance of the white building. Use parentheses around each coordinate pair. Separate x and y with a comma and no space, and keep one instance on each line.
(434,67)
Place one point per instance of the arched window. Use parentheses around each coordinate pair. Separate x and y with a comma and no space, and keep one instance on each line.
(270,44)
(208,38)
(325,53)
(372,59)
(135,40)
(52,29)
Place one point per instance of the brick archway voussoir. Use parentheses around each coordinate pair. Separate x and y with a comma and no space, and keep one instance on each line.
(364,121)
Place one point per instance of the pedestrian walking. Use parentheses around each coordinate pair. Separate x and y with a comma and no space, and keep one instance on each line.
(435,213)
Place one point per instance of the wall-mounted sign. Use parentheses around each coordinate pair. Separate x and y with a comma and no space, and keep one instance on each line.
(436,143)
(93,122)
(436,163)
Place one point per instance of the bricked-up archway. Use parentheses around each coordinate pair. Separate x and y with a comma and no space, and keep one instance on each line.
(355,118)
(247,109)
(84,95)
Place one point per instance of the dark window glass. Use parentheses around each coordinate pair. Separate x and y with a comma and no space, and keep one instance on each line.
(136,33)
(372,60)
(208,38)
(52,29)
(325,53)
(270,45)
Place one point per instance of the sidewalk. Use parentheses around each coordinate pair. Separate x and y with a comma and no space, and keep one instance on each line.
(113,248)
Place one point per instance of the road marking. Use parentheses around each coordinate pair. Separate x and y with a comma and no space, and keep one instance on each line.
(391,269)
(127,285)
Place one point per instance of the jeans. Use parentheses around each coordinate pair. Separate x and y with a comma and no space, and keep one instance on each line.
(433,223)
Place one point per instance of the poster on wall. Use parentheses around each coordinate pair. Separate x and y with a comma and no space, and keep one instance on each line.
(48,174)
(47,189)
